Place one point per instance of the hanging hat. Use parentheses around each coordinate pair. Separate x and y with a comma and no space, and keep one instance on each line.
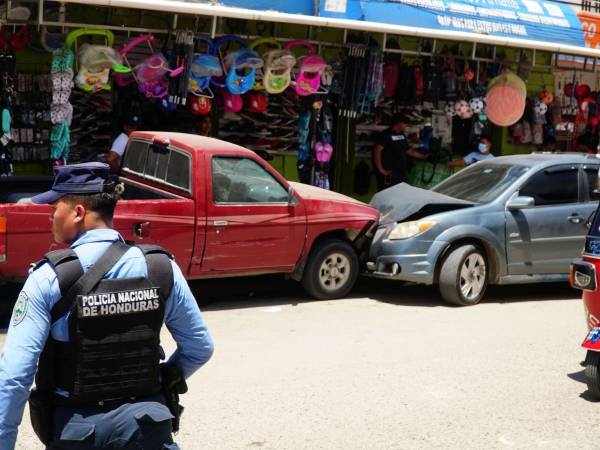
(232,102)
(200,106)
(258,102)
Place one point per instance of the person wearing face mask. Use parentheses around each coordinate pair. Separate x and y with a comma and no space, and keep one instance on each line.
(483,152)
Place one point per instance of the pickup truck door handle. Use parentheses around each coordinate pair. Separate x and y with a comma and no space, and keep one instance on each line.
(575,218)
(220,223)
(142,229)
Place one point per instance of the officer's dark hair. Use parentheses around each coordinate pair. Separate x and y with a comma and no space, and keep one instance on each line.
(102,203)
(485,137)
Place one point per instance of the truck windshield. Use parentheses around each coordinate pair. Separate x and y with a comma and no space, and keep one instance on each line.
(482,182)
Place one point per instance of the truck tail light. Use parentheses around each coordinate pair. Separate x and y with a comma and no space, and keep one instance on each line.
(2,239)
(583,276)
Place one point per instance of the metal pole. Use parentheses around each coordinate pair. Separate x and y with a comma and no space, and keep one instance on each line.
(213,31)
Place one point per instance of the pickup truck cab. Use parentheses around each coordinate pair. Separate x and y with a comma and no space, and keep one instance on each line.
(219,208)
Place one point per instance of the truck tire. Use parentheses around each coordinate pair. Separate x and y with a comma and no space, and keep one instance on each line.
(331,270)
(592,373)
(463,276)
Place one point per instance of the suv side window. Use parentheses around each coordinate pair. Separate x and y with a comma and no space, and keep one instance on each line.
(553,186)
(591,178)
(242,180)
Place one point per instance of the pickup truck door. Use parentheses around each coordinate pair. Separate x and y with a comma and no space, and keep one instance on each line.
(150,211)
(252,226)
(546,238)
(166,222)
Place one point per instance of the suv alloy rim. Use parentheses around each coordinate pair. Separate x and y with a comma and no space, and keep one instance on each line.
(472,276)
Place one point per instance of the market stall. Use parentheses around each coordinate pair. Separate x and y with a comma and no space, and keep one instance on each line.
(309,93)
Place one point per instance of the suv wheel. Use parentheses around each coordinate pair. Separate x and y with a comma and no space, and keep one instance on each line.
(331,270)
(463,276)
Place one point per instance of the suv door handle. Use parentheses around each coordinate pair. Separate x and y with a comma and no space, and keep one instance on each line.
(575,218)
(220,223)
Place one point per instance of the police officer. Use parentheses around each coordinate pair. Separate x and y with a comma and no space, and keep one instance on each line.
(104,335)
(390,156)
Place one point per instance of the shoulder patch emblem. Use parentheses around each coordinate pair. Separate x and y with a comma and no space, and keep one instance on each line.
(20,309)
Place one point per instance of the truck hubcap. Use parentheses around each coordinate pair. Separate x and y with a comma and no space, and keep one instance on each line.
(472,276)
(334,271)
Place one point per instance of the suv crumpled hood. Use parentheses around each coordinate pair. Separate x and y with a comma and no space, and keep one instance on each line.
(405,202)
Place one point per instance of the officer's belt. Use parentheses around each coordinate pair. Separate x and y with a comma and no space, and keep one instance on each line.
(60,400)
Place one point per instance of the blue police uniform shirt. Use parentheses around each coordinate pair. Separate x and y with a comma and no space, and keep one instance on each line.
(474,157)
(30,325)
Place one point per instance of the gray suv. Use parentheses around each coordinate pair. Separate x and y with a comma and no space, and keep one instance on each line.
(510,220)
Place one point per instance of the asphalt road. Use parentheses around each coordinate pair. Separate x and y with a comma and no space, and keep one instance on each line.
(392,367)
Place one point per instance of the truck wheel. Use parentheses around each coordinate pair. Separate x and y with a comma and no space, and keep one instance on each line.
(463,276)
(331,270)
(592,373)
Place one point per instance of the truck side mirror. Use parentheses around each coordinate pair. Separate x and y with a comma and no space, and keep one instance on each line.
(291,197)
(520,202)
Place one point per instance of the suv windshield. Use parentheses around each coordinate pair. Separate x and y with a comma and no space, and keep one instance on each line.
(482,182)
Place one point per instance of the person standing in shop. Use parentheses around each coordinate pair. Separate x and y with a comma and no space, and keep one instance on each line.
(484,151)
(391,154)
(118,146)
(204,126)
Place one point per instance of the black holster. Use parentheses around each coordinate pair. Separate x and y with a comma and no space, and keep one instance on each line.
(173,383)
(41,412)
(41,399)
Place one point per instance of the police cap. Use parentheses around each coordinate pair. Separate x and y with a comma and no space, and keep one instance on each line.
(82,179)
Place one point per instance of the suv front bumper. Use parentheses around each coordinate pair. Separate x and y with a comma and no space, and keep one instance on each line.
(410,259)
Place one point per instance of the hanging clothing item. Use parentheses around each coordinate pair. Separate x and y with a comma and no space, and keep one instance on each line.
(60,139)
(354,75)
(406,89)
(391,71)
(322,180)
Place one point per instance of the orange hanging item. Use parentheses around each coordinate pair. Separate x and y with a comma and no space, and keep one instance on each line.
(505,99)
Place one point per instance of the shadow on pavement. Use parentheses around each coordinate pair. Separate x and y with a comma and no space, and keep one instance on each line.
(578,376)
(270,290)
(585,395)
(396,293)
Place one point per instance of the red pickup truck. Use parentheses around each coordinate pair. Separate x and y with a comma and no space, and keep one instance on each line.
(219,208)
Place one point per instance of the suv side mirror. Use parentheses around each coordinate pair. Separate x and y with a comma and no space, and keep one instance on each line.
(520,202)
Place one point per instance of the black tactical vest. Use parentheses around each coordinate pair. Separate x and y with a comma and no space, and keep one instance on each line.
(114,349)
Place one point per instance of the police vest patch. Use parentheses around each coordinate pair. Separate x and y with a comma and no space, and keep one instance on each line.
(20,309)
(118,303)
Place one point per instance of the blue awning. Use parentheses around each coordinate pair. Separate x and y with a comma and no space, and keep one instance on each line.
(306,7)
(545,21)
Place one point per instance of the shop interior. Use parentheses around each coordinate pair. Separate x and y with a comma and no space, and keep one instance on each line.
(311,101)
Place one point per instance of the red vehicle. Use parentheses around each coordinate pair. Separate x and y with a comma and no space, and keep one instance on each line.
(219,208)
(584,276)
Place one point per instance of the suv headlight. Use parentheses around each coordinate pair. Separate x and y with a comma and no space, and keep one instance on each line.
(405,230)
